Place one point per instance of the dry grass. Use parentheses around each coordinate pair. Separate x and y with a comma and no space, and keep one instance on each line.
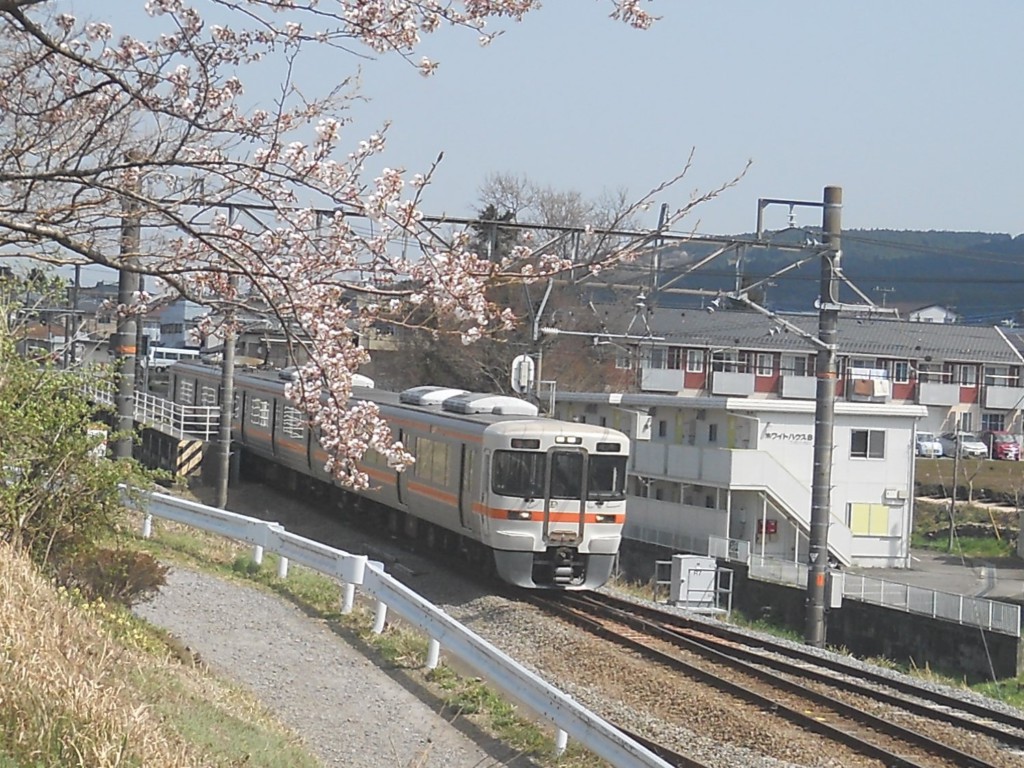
(64,682)
(73,695)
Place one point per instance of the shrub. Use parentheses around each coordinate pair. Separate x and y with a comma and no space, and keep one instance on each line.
(114,575)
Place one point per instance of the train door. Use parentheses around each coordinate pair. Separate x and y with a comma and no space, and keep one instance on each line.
(565,494)
(466,487)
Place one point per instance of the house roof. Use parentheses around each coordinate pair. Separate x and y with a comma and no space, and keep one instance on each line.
(868,336)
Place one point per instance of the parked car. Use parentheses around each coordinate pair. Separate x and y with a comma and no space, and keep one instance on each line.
(970,445)
(1001,444)
(927,444)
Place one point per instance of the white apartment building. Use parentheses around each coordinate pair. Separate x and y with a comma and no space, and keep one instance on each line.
(722,408)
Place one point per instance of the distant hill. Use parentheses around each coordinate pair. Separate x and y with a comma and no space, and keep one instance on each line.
(980,275)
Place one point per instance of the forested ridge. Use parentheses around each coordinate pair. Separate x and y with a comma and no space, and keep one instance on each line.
(979,275)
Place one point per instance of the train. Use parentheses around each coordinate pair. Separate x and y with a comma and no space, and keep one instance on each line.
(538,502)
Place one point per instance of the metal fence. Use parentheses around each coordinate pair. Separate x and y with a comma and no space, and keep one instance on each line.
(569,718)
(992,615)
(180,421)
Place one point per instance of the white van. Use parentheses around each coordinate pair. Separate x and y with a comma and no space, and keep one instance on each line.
(163,357)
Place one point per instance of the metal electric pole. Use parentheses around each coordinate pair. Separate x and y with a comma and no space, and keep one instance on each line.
(824,418)
(123,341)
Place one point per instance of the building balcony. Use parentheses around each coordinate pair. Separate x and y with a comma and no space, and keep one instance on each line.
(734,384)
(661,380)
(932,393)
(798,387)
(1003,398)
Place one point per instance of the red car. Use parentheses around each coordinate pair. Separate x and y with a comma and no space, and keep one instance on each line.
(1001,445)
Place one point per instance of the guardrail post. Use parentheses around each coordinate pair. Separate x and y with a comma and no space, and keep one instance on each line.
(282,568)
(147,526)
(433,653)
(561,742)
(257,554)
(348,598)
(379,619)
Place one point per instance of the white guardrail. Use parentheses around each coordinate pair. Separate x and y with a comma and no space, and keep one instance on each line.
(502,671)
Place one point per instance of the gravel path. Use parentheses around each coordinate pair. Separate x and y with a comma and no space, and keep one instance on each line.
(348,711)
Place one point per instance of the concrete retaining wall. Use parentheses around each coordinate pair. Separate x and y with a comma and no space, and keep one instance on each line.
(863,629)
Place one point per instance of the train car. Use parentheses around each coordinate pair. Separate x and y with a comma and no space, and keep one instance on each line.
(539,501)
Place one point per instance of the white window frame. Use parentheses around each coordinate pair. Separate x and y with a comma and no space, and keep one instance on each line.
(900,371)
(695,361)
(186,391)
(763,370)
(967,375)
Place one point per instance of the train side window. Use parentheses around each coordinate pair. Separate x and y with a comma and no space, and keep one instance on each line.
(293,424)
(186,392)
(259,412)
(208,395)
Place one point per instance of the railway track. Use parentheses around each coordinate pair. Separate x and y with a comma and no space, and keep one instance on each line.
(892,721)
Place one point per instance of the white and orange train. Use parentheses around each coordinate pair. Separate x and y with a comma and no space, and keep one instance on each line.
(540,501)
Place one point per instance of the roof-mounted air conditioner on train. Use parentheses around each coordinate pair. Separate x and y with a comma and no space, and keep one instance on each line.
(499,405)
(427,395)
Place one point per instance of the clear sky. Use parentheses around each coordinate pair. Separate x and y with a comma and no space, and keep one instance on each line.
(915,108)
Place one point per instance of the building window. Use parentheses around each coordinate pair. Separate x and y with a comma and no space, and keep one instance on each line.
(622,360)
(900,371)
(966,421)
(794,365)
(293,424)
(868,519)
(675,358)
(259,412)
(712,433)
(968,376)
(656,358)
(997,376)
(695,361)
(992,421)
(662,428)
(765,364)
(867,444)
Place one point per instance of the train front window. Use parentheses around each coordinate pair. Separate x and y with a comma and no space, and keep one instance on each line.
(606,478)
(519,473)
(566,475)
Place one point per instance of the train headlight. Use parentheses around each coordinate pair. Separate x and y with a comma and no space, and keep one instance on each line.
(519,514)
(604,518)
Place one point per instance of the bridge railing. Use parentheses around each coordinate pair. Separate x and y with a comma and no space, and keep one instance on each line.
(180,421)
(568,717)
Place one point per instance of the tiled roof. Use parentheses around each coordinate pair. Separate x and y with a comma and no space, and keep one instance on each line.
(871,337)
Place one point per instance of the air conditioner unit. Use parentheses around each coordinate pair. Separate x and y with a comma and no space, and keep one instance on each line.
(702,415)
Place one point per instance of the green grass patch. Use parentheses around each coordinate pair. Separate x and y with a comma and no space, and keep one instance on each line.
(223,722)
(968,546)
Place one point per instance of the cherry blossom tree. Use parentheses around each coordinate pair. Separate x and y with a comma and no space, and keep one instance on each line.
(98,126)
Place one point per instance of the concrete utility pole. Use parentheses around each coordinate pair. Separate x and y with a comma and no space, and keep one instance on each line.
(124,340)
(227,412)
(824,418)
